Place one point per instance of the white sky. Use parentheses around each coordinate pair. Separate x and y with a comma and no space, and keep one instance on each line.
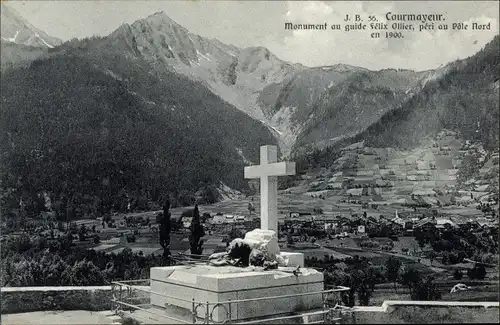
(261,23)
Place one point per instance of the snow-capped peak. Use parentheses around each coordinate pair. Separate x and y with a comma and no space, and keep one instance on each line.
(16,29)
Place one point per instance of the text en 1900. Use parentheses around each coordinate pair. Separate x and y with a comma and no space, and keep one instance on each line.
(387,35)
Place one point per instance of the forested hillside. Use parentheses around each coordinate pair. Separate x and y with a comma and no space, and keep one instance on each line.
(18,55)
(346,109)
(465,99)
(94,133)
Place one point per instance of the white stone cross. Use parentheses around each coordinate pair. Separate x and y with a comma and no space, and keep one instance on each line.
(268,172)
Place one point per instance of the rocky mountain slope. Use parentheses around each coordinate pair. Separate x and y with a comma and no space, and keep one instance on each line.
(305,108)
(21,42)
(465,99)
(302,106)
(236,75)
(350,104)
(16,29)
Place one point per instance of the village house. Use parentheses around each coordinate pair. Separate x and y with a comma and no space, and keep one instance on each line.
(398,223)
(426,224)
(300,215)
(335,186)
(468,225)
(485,223)
(447,224)
(373,220)
(345,227)
(228,219)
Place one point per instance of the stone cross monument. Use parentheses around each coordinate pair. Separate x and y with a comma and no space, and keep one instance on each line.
(268,172)
(230,286)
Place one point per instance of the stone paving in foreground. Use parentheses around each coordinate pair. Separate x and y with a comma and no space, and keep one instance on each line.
(61,317)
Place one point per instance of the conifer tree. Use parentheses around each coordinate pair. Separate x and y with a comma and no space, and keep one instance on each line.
(197,232)
(165,229)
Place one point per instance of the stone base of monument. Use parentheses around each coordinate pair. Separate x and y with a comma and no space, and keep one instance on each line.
(292,258)
(223,286)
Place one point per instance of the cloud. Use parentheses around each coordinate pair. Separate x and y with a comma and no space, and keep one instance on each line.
(418,50)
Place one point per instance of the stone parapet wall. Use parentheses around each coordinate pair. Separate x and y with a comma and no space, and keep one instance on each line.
(98,298)
(425,312)
(28,299)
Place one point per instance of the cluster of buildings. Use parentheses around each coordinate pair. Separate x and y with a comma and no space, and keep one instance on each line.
(401,224)
(221,222)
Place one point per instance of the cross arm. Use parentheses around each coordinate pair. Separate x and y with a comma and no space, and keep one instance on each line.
(274,169)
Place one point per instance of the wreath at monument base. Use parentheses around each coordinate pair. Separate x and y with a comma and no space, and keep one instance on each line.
(259,248)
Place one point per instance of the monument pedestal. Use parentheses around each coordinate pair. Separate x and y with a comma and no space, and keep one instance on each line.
(292,258)
(219,285)
(213,292)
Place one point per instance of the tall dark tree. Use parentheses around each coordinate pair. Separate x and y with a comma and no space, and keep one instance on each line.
(478,272)
(425,289)
(432,256)
(165,229)
(420,288)
(393,266)
(197,232)
(82,233)
(458,275)
(409,277)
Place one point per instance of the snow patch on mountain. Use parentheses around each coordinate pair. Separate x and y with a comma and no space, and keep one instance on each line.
(43,41)
(11,39)
(203,56)
(15,29)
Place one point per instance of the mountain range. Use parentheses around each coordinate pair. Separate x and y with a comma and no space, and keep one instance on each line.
(305,108)
(21,42)
(217,103)
(15,29)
